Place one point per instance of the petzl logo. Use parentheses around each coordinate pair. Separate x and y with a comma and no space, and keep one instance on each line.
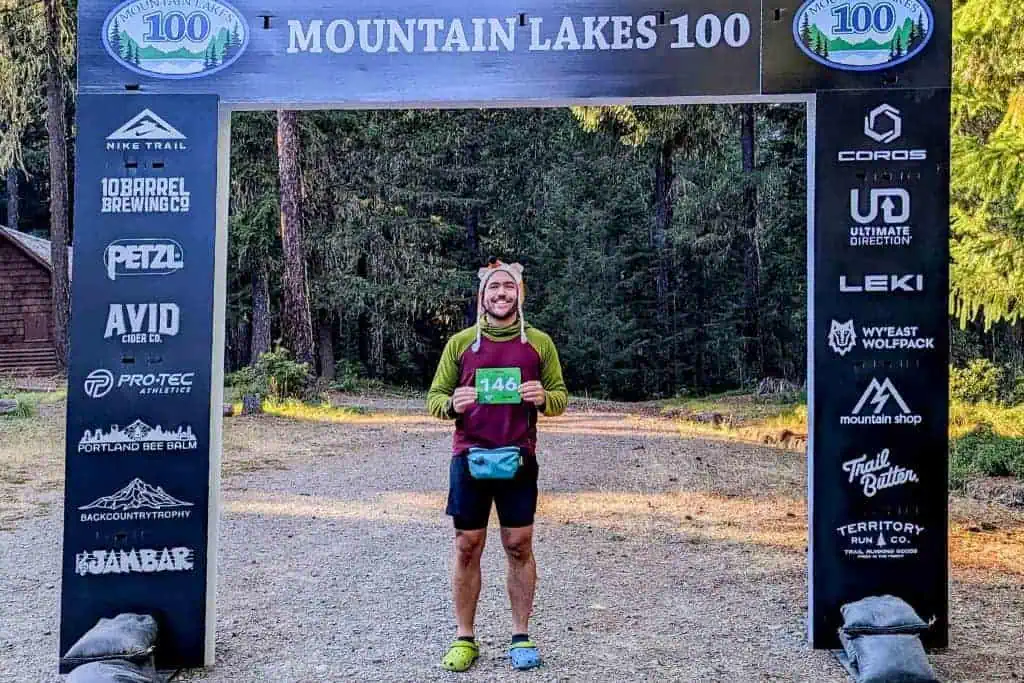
(863,35)
(175,40)
(129,257)
(146,126)
(875,407)
(98,383)
(842,337)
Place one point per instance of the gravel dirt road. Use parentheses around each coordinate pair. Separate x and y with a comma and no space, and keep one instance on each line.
(661,558)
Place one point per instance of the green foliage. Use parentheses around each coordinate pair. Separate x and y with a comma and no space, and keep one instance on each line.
(980,381)
(24,409)
(984,452)
(274,375)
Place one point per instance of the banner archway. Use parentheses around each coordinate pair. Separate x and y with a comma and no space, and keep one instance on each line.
(158,80)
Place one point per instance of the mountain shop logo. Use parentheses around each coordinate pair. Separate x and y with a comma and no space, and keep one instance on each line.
(877,473)
(880,539)
(142,323)
(138,501)
(144,561)
(881,395)
(175,39)
(863,35)
(138,437)
(146,131)
(143,256)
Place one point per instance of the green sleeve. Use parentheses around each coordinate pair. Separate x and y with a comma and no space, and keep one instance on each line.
(557,395)
(446,378)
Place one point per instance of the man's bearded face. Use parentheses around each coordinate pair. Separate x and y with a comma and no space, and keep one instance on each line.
(501,296)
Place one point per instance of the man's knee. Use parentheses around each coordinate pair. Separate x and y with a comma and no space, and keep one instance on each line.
(468,546)
(518,544)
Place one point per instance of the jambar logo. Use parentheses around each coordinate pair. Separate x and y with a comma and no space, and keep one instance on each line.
(863,35)
(175,39)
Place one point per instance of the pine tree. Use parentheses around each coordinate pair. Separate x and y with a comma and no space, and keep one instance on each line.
(115,38)
(824,47)
(898,46)
(920,27)
(805,32)
(135,57)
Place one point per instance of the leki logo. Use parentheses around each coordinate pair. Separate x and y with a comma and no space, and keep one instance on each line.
(842,337)
(863,35)
(175,39)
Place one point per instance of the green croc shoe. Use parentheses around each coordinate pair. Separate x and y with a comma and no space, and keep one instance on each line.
(461,655)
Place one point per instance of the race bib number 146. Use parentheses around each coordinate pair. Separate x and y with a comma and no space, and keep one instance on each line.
(498,386)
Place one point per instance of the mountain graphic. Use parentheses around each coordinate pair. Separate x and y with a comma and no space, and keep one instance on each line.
(146,126)
(138,495)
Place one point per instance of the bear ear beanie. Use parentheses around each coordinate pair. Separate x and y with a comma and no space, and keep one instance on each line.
(485,274)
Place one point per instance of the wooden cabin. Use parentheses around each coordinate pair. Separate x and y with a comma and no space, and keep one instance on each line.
(26,310)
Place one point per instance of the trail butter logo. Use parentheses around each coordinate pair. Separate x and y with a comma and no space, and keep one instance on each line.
(883,397)
(138,437)
(175,39)
(880,539)
(877,473)
(863,35)
(136,501)
(144,561)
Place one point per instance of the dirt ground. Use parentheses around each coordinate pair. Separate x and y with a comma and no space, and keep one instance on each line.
(661,557)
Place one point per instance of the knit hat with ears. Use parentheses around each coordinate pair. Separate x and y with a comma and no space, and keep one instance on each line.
(494,266)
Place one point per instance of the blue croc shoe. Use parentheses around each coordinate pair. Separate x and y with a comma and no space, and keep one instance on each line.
(524,655)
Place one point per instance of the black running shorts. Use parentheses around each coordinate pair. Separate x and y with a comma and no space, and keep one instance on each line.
(469,499)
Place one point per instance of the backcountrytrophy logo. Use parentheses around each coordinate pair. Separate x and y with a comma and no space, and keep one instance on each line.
(175,39)
(147,131)
(138,437)
(100,382)
(877,474)
(142,323)
(134,561)
(889,407)
(138,501)
(880,539)
(843,338)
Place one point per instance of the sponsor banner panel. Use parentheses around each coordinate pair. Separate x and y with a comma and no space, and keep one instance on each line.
(881,344)
(138,428)
(310,52)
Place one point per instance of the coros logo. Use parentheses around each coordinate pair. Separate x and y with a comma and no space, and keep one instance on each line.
(863,35)
(175,38)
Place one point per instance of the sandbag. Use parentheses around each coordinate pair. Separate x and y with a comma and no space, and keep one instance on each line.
(881,614)
(887,658)
(130,637)
(113,671)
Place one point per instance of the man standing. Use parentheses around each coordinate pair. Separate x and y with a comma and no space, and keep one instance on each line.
(493,380)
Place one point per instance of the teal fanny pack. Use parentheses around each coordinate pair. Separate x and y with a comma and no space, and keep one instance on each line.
(494,463)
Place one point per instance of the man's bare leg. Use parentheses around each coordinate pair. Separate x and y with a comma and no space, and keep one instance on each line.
(469,546)
(522,575)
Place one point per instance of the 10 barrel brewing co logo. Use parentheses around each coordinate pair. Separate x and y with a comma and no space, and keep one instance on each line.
(175,39)
(863,35)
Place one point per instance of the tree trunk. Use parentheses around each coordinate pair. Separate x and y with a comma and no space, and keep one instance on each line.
(12,198)
(664,176)
(260,312)
(297,324)
(752,255)
(473,249)
(58,152)
(326,345)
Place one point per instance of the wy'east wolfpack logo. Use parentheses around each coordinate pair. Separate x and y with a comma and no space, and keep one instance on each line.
(863,35)
(175,39)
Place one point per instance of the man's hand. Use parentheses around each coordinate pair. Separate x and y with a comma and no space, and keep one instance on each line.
(533,392)
(463,398)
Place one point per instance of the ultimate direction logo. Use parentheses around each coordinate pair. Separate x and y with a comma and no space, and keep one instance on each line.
(138,501)
(175,39)
(842,338)
(883,398)
(146,131)
(99,383)
(142,323)
(880,539)
(138,437)
(143,256)
(884,222)
(144,561)
(863,35)
(883,124)
(877,473)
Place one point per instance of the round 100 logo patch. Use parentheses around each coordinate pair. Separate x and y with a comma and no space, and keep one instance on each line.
(175,38)
(863,35)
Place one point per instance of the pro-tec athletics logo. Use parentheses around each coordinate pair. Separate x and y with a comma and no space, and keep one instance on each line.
(175,38)
(863,35)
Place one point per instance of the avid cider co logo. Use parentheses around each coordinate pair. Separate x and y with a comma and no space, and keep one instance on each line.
(175,39)
(863,35)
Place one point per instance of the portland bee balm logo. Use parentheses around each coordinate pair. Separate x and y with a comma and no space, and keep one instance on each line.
(863,35)
(175,38)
